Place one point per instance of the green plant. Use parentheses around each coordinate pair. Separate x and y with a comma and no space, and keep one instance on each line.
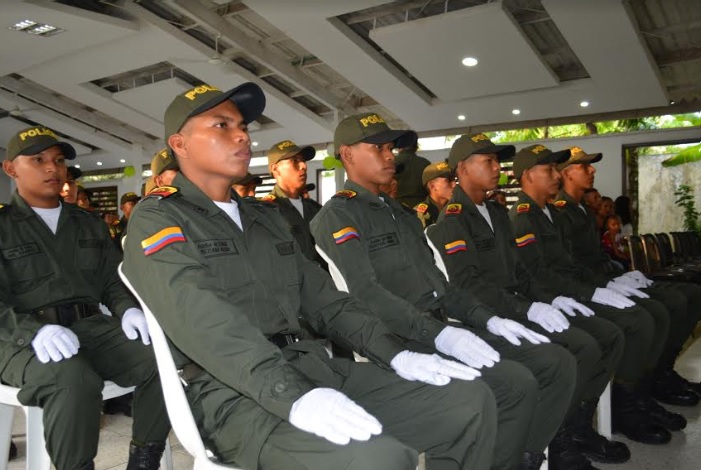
(686,200)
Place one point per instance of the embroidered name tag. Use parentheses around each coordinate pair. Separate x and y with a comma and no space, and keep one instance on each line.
(90,243)
(383,241)
(20,251)
(286,248)
(484,245)
(213,248)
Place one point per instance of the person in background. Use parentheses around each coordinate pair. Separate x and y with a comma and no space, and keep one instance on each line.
(246,186)
(305,191)
(409,189)
(622,207)
(612,241)
(164,167)
(82,199)
(498,196)
(69,192)
(438,180)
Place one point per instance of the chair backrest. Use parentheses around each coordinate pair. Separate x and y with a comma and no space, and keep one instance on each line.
(665,246)
(176,402)
(638,260)
(652,252)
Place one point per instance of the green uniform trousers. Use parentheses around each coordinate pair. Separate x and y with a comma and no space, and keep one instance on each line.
(533,386)
(597,346)
(70,391)
(454,425)
(643,342)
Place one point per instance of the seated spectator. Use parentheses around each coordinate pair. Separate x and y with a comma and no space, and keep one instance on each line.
(612,241)
(622,205)
(499,196)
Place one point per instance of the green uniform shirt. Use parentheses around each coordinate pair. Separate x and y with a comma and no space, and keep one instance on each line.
(43,269)
(382,253)
(541,245)
(218,293)
(427,212)
(299,225)
(410,189)
(484,261)
(583,239)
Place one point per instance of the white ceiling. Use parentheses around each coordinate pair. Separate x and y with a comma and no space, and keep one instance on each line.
(49,79)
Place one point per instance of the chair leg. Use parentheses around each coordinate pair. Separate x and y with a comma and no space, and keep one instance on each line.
(37,456)
(7,415)
(167,459)
(603,413)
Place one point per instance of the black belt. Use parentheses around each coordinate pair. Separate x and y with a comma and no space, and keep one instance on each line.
(66,314)
(438,314)
(190,372)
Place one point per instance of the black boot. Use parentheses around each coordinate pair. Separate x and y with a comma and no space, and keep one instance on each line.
(670,388)
(592,444)
(628,420)
(562,455)
(660,415)
(145,456)
(693,386)
(532,461)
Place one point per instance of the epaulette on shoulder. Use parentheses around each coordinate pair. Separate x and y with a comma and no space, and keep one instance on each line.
(524,207)
(421,207)
(453,209)
(162,192)
(345,194)
(268,198)
(560,203)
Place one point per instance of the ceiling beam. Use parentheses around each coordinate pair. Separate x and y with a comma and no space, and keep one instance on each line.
(680,56)
(254,49)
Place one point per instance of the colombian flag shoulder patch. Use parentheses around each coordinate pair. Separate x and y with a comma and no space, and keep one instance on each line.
(527,239)
(525,207)
(455,208)
(345,234)
(162,239)
(421,208)
(454,247)
(560,203)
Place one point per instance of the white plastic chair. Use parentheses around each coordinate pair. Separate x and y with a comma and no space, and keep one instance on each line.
(603,411)
(37,456)
(177,405)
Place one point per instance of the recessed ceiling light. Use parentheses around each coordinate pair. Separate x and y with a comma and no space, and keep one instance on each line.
(37,29)
(98,163)
(77,166)
(469,62)
(462,117)
(584,104)
(516,111)
(255,144)
(122,161)
(672,102)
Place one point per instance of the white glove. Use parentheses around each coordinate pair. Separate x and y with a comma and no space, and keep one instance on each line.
(54,343)
(430,368)
(551,319)
(330,414)
(134,324)
(570,306)
(611,298)
(512,331)
(640,277)
(626,290)
(466,347)
(629,281)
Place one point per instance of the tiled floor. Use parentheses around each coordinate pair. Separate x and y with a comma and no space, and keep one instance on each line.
(683,453)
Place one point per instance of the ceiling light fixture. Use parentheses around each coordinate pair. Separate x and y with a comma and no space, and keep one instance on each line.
(98,163)
(516,112)
(122,161)
(469,62)
(584,104)
(37,29)
(77,166)
(255,144)
(462,117)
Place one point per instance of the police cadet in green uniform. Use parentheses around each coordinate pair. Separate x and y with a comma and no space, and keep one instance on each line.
(379,247)
(682,300)
(438,181)
(538,235)
(491,269)
(288,164)
(246,186)
(228,283)
(58,263)
(163,170)
(410,167)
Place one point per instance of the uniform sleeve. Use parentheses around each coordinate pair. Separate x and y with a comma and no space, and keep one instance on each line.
(353,261)
(530,250)
(114,295)
(458,254)
(200,322)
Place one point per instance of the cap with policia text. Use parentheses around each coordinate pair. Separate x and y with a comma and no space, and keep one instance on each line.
(128,197)
(579,156)
(248,98)
(35,140)
(163,160)
(533,155)
(435,170)
(288,149)
(249,178)
(468,145)
(372,129)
